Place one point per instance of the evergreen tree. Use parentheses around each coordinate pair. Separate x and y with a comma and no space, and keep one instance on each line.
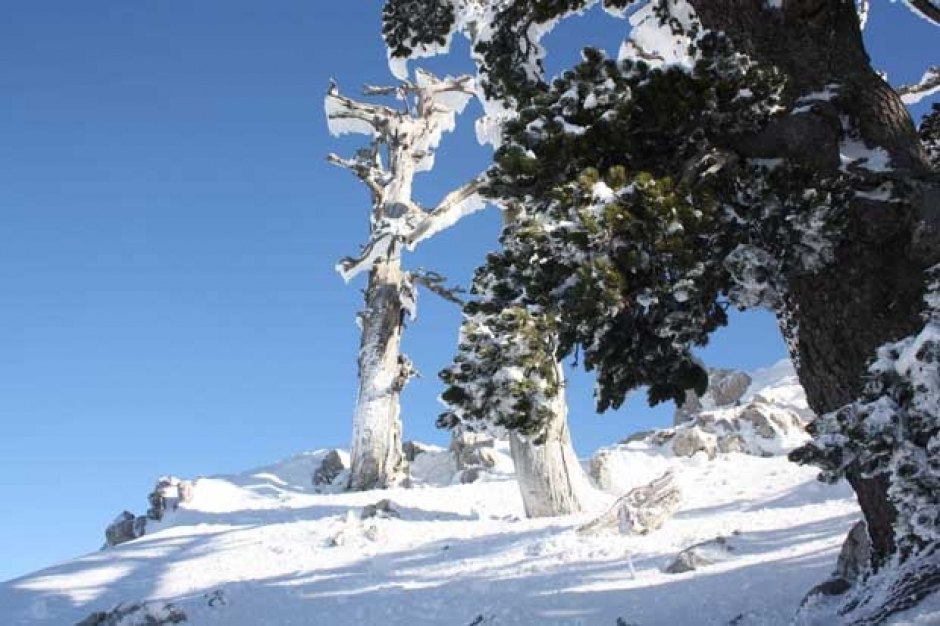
(768,165)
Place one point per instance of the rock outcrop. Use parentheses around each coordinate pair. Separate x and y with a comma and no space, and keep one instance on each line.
(474,453)
(725,388)
(733,416)
(332,465)
(168,494)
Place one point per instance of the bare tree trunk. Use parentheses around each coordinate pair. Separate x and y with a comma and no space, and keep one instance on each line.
(377,460)
(549,474)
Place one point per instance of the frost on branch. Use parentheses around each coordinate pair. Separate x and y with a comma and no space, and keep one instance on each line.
(504,375)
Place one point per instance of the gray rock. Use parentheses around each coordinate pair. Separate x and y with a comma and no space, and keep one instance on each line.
(831,587)
(163,498)
(126,527)
(700,555)
(187,491)
(469,475)
(855,556)
(472,450)
(599,469)
(731,443)
(330,467)
(144,614)
(757,415)
(689,441)
(382,508)
(412,449)
(725,388)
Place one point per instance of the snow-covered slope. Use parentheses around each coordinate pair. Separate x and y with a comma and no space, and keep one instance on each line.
(263,548)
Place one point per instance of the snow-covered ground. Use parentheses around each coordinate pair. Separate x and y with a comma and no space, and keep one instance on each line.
(278,553)
(264,548)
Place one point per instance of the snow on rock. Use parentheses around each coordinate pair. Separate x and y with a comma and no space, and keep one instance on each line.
(763,414)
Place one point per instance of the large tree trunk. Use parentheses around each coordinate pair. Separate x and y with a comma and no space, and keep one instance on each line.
(377,460)
(550,477)
(872,293)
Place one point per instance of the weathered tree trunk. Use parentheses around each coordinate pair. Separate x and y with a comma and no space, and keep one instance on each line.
(377,460)
(550,477)
(872,293)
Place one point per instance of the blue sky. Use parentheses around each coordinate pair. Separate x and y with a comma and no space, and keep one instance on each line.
(168,229)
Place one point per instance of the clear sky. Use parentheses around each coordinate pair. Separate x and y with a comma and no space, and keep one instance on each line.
(168,229)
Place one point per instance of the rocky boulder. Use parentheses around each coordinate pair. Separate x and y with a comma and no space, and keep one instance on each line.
(689,441)
(125,527)
(332,465)
(137,614)
(725,388)
(701,555)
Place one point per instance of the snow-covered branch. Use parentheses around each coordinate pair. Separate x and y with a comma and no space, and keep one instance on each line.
(457,204)
(345,115)
(928,85)
(377,247)
(927,9)
(365,171)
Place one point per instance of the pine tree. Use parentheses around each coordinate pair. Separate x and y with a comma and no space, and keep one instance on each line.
(769,165)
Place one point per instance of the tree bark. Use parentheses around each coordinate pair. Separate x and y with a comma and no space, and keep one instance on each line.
(551,479)
(872,293)
(377,460)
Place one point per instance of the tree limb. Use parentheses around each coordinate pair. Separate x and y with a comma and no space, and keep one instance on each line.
(362,170)
(447,213)
(339,107)
(927,9)
(434,283)
(929,83)
(349,267)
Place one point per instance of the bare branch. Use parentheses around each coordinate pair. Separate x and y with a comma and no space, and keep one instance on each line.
(363,171)
(345,115)
(378,247)
(454,206)
(927,9)
(929,84)
(434,283)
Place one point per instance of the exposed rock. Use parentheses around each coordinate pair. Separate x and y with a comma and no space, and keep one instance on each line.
(137,614)
(642,509)
(164,497)
(700,555)
(412,449)
(725,388)
(187,491)
(125,527)
(759,417)
(831,587)
(330,467)
(472,450)
(469,475)
(600,470)
(855,555)
(731,443)
(382,508)
(688,441)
